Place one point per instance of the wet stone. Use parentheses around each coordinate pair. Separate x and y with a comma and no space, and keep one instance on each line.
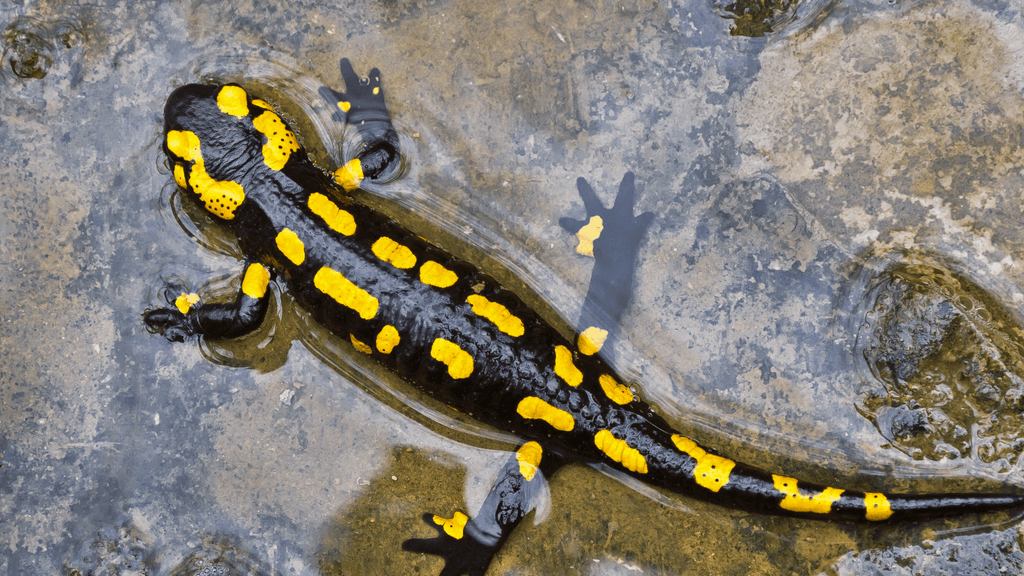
(113,552)
(945,364)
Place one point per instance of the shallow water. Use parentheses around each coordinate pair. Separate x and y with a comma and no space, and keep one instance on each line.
(788,171)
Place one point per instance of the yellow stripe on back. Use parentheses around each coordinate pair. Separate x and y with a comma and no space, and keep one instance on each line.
(344,292)
(533,408)
(615,392)
(564,367)
(433,274)
(794,501)
(394,253)
(878,507)
(711,472)
(336,219)
(289,244)
(459,362)
(619,451)
(497,314)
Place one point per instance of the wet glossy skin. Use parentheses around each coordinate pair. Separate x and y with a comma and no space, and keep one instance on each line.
(449,329)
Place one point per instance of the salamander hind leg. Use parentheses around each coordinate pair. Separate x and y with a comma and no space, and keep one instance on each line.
(468,545)
(216,321)
(363,106)
(611,236)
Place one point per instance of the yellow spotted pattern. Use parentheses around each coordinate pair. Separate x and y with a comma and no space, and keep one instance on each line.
(591,340)
(618,393)
(619,451)
(350,175)
(281,142)
(455,526)
(255,281)
(220,198)
(796,502)
(387,339)
(564,367)
(344,292)
(497,314)
(877,506)
(712,472)
(289,244)
(394,253)
(533,408)
(336,219)
(529,456)
(459,362)
(185,302)
(232,100)
(433,274)
(587,235)
(360,346)
(261,104)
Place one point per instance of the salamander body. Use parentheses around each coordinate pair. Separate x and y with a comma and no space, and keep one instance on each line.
(449,329)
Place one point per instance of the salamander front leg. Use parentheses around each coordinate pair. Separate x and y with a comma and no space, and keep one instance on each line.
(612,236)
(216,321)
(363,107)
(468,545)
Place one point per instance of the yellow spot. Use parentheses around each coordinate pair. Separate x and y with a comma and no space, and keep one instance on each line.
(453,527)
(712,472)
(179,175)
(387,339)
(587,235)
(232,100)
(261,104)
(360,346)
(458,361)
(184,145)
(185,302)
(336,219)
(497,314)
(255,281)
(434,274)
(619,451)
(591,340)
(376,90)
(877,506)
(350,175)
(394,253)
(797,502)
(281,142)
(289,244)
(528,456)
(345,106)
(220,198)
(533,408)
(564,367)
(344,292)
(618,393)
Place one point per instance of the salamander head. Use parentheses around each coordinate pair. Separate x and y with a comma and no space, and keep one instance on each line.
(210,138)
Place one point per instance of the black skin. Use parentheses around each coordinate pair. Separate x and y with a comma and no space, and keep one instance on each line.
(506,368)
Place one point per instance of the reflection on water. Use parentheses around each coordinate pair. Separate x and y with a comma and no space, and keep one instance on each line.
(756,18)
(30,45)
(945,364)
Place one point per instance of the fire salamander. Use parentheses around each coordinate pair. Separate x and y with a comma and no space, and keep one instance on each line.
(452,331)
